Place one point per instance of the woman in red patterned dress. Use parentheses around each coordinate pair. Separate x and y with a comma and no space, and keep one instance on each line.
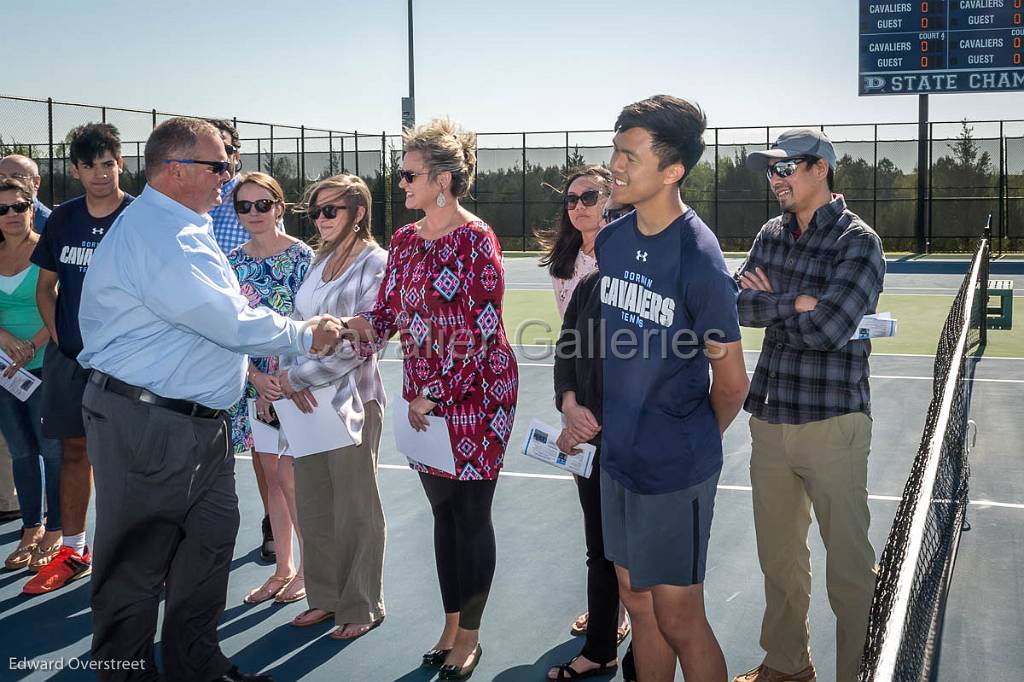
(442,292)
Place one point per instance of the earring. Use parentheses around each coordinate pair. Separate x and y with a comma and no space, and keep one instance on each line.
(441,201)
(356,228)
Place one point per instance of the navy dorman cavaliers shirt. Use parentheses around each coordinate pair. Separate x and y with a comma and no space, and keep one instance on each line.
(66,247)
(662,297)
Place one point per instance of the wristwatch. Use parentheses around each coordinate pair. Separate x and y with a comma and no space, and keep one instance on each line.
(425,393)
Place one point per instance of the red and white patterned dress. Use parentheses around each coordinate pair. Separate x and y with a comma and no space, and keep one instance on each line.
(444,298)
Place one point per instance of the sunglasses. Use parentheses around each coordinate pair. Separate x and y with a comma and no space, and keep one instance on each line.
(230,149)
(330,212)
(610,214)
(589,198)
(784,168)
(261,205)
(216,167)
(408,176)
(19,207)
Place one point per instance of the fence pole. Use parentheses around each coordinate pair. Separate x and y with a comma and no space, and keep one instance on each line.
(385,178)
(271,163)
(523,197)
(49,137)
(874,185)
(154,118)
(103,114)
(768,186)
(567,151)
(928,213)
(330,153)
(1002,192)
(718,226)
(300,167)
(357,151)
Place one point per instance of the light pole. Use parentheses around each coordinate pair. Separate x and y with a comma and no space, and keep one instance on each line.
(409,103)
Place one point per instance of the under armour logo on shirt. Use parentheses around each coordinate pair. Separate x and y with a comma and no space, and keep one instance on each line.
(97,230)
(641,256)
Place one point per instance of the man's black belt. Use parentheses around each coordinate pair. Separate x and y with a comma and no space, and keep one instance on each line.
(186,407)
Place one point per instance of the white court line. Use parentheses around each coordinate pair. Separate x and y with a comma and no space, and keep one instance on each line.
(754,350)
(721,486)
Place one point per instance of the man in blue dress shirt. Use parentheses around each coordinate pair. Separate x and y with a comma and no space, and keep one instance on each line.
(165,331)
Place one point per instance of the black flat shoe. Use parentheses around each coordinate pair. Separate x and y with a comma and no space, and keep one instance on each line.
(236,675)
(454,672)
(435,657)
(566,672)
(267,550)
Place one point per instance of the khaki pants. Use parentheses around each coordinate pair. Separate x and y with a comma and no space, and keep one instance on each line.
(343,529)
(792,469)
(8,496)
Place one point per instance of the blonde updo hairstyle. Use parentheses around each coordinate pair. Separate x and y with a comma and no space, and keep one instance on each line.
(353,191)
(446,148)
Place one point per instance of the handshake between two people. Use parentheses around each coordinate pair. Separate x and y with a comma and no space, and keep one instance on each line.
(328,333)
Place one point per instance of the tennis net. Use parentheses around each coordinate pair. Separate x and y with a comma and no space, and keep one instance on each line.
(905,623)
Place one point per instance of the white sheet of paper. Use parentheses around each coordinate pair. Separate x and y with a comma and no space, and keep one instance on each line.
(875,326)
(432,447)
(320,431)
(265,438)
(22,384)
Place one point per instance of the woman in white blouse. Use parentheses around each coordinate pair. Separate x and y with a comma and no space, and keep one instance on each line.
(337,497)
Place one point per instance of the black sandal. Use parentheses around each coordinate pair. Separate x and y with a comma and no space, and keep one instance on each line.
(566,671)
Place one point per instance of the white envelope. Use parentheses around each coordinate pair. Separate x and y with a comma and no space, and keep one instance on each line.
(432,447)
(265,438)
(309,434)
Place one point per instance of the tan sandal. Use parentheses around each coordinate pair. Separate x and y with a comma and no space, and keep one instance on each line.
(20,557)
(284,598)
(360,629)
(42,556)
(267,591)
(579,626)
(302,620)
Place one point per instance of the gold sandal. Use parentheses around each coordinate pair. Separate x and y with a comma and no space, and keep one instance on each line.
(42,556)
(297,596)
(20,557)
(266,592)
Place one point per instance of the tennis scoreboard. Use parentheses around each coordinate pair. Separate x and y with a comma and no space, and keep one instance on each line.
(939,46)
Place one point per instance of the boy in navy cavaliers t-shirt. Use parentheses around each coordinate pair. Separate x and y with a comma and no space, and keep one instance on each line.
(73,232)
(669,310)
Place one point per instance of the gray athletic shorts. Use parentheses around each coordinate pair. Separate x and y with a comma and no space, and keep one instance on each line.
(63,386)
(660,539)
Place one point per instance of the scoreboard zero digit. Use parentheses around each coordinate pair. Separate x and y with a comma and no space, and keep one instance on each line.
(939,46)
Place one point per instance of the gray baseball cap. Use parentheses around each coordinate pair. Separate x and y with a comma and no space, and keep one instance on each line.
(794,143)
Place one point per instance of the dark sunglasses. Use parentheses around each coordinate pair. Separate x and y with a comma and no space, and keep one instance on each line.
(19,207)
(589,198)
(610,214)
(230,149)
(261,205)
(216,167)
(330,212)
(408,176)
(784,168)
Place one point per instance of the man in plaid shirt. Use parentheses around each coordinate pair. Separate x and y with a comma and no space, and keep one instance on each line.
(227,229)
(811,275)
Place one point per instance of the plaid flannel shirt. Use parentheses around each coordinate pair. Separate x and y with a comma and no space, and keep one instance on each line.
(809,369)
(227,229)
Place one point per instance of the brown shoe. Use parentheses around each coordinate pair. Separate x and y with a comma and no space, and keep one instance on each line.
(763,673)
(42,556)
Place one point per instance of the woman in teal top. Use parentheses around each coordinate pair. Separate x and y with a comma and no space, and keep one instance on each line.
(22,337)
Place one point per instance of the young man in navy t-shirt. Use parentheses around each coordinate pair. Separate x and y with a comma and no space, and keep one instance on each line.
(669,310)
(65,248)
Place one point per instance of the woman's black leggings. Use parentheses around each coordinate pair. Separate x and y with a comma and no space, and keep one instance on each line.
(463,544)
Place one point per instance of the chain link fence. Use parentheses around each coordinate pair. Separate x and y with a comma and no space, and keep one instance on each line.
(976,169)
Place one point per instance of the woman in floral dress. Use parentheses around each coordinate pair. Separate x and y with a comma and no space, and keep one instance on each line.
(270,268)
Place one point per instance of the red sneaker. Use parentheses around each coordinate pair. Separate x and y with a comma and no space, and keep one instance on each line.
(67,566)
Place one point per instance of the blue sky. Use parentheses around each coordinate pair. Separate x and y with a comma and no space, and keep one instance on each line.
(494,66)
